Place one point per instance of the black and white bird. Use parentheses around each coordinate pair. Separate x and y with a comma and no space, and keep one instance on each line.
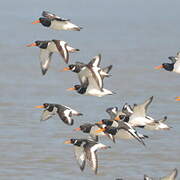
(91,89)
(91,129)
(137,117)
(112,111)
(92,71)
(85,150)
(172,67)
(171,176)
(120,129)
(65,113)
(52,21)
(91,78)
(47,48)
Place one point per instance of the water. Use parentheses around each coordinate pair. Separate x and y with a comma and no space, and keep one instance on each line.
(134,36)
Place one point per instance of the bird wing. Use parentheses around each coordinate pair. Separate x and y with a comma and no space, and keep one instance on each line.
(46,115)
(74,112)
(93,137)
(85,83)
(112,137)
(112,111)
(171,176)
(104,71)
(62,48)
(95,61)
(65,116)
(147,177)
(141,110)
(80,156)
(127,109)
(92,84)
(52,16)
(45,59)
(91,156)
(96,76)
(132,131)
(172,58)
(93,66)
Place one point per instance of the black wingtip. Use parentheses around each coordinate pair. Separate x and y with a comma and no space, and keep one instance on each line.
(171,57)
(79,114)
(145,177)
(145,136)
(151,98)
(44,71)
(176,172)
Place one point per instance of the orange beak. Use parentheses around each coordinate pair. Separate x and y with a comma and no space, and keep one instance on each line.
(31,45)
(65,69)
(71,89)
(67,142)
(100,130)
(158,67)
(178,98)
(35,22)
(117,118)
(39,106)
(99,122)
(77,129)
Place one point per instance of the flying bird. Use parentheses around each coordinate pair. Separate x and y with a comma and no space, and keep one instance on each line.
(92,71)
(85,150)
(137,117)
(65,113)
(47,48)
(91,89)
(114,130)
(52,21)
(174,66)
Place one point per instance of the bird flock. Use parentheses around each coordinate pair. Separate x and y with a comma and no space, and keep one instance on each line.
(122,123)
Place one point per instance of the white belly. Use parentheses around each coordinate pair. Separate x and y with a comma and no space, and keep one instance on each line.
(176,69)
(140,121)
(57,25)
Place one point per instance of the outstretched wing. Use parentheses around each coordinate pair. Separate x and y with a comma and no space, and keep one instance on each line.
(65,116)
(172,58)
(92,159)
(46,115)
(62,48)
(45,59)
(134,133)
(112,111)
(52,16)
(147,177)
(107,69)
(93,66)
(171,176)
(80,157)
(140,110)
(95,62)
(127,109)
